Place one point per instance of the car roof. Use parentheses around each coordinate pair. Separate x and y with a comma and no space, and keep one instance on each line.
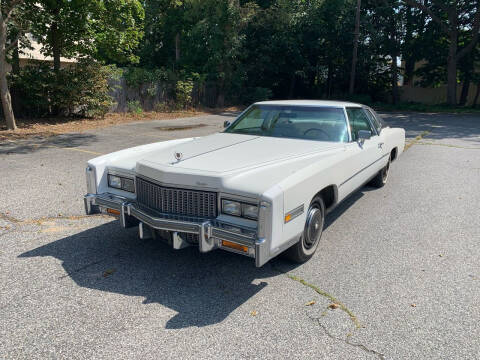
(330,103)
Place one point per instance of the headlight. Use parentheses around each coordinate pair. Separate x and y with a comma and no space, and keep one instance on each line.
(250,211)
(241,209)
(128,185)
(115,181)
(231,207)
(121,183)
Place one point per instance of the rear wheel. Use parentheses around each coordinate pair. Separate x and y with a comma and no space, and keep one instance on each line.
(312,233)
(381,178)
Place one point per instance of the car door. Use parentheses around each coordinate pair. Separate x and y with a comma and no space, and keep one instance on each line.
(378,125)
(363,159)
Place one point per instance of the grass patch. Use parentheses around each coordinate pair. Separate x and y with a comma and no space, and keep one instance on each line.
(335,301)
(416,140)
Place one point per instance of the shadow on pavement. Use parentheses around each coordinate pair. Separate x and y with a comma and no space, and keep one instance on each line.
(203,288)
(26,146)
(440,126)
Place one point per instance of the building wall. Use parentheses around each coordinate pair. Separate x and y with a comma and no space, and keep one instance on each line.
(433,96)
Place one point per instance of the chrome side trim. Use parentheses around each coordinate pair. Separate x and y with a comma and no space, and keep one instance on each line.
(365,168)
(295,213)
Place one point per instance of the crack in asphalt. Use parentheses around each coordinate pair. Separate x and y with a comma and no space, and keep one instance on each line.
(321,292)
(341,306)
(334,300)
(346,340)
(9,218)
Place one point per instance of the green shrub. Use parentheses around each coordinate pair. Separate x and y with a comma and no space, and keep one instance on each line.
(134,107)
(183,93)
(162,107)
(135,76)
(78,90)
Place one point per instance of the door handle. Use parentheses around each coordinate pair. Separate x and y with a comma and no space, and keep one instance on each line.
(380,145)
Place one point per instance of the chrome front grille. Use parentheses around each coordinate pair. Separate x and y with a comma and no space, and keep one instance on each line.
(176,201)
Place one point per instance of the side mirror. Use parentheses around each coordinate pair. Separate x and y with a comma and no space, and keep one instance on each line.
(364,135)
(226,124)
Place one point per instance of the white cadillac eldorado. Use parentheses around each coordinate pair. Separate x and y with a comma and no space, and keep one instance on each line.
(259,188)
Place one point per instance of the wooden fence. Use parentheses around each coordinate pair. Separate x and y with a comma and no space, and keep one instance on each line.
(154,96)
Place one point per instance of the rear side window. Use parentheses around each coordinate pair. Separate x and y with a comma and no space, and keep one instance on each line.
(375,121)
(358,121)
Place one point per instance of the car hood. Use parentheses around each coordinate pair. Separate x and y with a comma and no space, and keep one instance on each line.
(233,162)
(226,153)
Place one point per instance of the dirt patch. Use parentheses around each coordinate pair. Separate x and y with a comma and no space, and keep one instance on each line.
(45,127)
(28,128)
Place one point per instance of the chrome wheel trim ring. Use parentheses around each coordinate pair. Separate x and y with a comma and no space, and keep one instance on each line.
(313,228)
(385,172)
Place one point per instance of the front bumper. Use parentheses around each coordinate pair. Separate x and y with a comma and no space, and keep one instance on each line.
(212,234)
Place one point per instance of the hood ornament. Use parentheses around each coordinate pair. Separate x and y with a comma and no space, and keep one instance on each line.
(178,155)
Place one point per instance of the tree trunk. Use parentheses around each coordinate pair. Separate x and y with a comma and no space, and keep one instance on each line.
(56,47)
(177,47)
(395,95)
(291,90)
(394,56)
(4,91)
(329,81)
(15,59)
(452,80)
(475,99)
(355,49)
(465,89)
(56,40)
(452,58)
(16,105)
(408,55)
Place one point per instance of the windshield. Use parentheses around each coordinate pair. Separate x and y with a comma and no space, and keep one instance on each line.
(298,122)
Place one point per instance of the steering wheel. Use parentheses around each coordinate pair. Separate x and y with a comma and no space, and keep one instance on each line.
(319,130)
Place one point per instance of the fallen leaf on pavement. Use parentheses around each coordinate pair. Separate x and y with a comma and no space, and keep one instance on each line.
(254,313)
(310,303)
(413,305)
(109,272)
(333,306)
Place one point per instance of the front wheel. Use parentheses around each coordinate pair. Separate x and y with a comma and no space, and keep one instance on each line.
(312,233)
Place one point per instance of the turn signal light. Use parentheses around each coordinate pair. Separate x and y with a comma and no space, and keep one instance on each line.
(288,218)
(113,211)
(235,246)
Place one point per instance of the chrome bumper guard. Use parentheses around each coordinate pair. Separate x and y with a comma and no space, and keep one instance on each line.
(211,233)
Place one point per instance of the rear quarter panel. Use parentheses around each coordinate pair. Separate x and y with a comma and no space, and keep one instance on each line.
(394,138)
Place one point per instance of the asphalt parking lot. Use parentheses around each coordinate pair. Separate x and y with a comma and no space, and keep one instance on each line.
(403,262)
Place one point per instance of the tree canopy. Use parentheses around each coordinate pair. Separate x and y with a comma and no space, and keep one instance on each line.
(264,48)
